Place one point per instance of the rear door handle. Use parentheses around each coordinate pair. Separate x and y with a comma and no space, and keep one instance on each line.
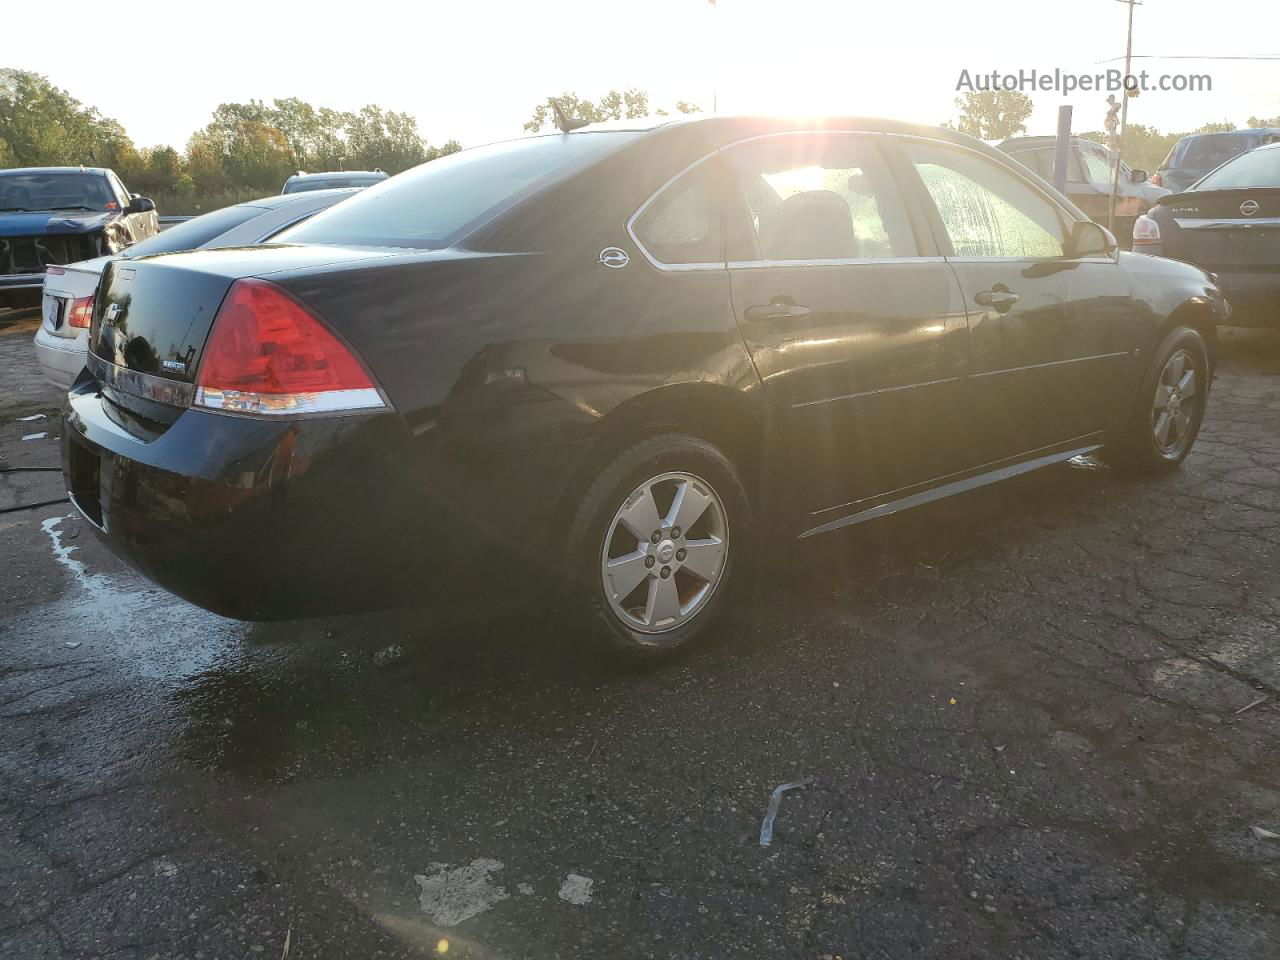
(1000,297)
(779,314)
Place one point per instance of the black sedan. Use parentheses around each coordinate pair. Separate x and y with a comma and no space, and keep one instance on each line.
(1228,222)
(637,356)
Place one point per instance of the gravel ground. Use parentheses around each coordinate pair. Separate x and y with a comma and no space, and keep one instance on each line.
(1038,721)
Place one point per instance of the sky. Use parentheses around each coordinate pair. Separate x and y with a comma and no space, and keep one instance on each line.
(474,71)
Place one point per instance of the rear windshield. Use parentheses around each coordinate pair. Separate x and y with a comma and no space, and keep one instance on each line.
(306,186)
(194,233)
(55,191)
(1261,168)
(436,203)
(1212,149)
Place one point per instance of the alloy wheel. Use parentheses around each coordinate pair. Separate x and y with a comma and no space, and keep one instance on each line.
(1174,408)
(664,553)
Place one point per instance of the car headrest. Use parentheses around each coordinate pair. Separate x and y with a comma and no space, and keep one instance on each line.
(813,225)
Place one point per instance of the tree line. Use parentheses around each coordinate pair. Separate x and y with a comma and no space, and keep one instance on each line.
(998,114)
(250,149)
(246,149)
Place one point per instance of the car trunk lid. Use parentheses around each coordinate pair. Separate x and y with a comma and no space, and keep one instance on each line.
(1226,228)
(153,316)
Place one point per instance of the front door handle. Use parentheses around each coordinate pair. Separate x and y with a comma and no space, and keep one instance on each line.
(778,313)
(999,296)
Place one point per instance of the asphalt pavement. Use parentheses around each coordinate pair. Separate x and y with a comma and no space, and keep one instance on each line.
(1040,720)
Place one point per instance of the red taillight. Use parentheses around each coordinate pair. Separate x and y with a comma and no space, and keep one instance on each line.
(80,311)
(55,271)
(267,353)
(1157,180)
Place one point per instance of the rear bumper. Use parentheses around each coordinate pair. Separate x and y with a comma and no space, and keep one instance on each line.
(61,358)
(254,519)
(1254,296)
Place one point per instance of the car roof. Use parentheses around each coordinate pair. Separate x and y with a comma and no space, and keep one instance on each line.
(101,170)
(284,199)
(1242,131)
(1041,141)
(339,173)
(728,126)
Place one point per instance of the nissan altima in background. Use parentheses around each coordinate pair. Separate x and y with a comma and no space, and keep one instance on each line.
(1229,224)
(67,303)
(636,356)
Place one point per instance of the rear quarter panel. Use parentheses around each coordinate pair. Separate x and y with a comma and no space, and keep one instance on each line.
(507,366)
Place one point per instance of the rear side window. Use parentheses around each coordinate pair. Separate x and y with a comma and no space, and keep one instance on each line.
(436,203)
(821,198)
(1041,161)
(985,208)
(194,233)
(683,224)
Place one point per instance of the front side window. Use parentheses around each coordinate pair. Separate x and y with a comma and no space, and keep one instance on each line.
(1098,169)
(985,208)
(821,198)
(683,223)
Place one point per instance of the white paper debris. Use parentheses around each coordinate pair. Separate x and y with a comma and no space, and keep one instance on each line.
(165,867)
(34,416)
(450,896)
(775,800)
(1264,834)
(35,436)
(576,889)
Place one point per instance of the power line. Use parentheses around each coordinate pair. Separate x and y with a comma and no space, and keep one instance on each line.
(1159,56)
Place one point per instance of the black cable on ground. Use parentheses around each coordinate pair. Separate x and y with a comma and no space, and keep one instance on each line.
(33,506)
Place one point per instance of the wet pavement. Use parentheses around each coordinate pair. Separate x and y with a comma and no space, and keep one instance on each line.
(1039,721)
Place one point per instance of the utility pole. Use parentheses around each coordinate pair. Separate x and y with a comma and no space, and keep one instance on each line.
(715,59)
(1124,116)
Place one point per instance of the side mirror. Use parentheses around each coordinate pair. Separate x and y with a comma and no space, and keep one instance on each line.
(1089,239)
(1138,176)
(140,205)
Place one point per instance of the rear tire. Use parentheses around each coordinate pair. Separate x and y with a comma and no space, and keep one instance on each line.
(659,544)
(1169,408)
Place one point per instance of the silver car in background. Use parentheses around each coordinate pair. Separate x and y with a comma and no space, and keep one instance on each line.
(67,304)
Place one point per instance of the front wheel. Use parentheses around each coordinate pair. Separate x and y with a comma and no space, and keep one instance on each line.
(657,543)
(1170,407)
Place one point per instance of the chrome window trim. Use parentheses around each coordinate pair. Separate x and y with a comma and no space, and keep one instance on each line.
(836,262)
(723,265)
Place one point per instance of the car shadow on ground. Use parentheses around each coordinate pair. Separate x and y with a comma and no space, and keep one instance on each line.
(336,690)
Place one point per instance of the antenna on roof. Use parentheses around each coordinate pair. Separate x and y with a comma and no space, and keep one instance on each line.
(564,122)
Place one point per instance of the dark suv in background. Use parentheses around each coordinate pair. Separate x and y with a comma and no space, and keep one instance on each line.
(50,216)
(1194,156)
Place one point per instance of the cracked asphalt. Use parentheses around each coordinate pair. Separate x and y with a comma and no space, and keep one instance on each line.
(1040,721)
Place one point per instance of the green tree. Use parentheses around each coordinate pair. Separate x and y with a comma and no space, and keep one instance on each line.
(383,139)
(614,105)
(1256,122)
(1142,147)
(1217,126)
(43,125)
(993,114)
